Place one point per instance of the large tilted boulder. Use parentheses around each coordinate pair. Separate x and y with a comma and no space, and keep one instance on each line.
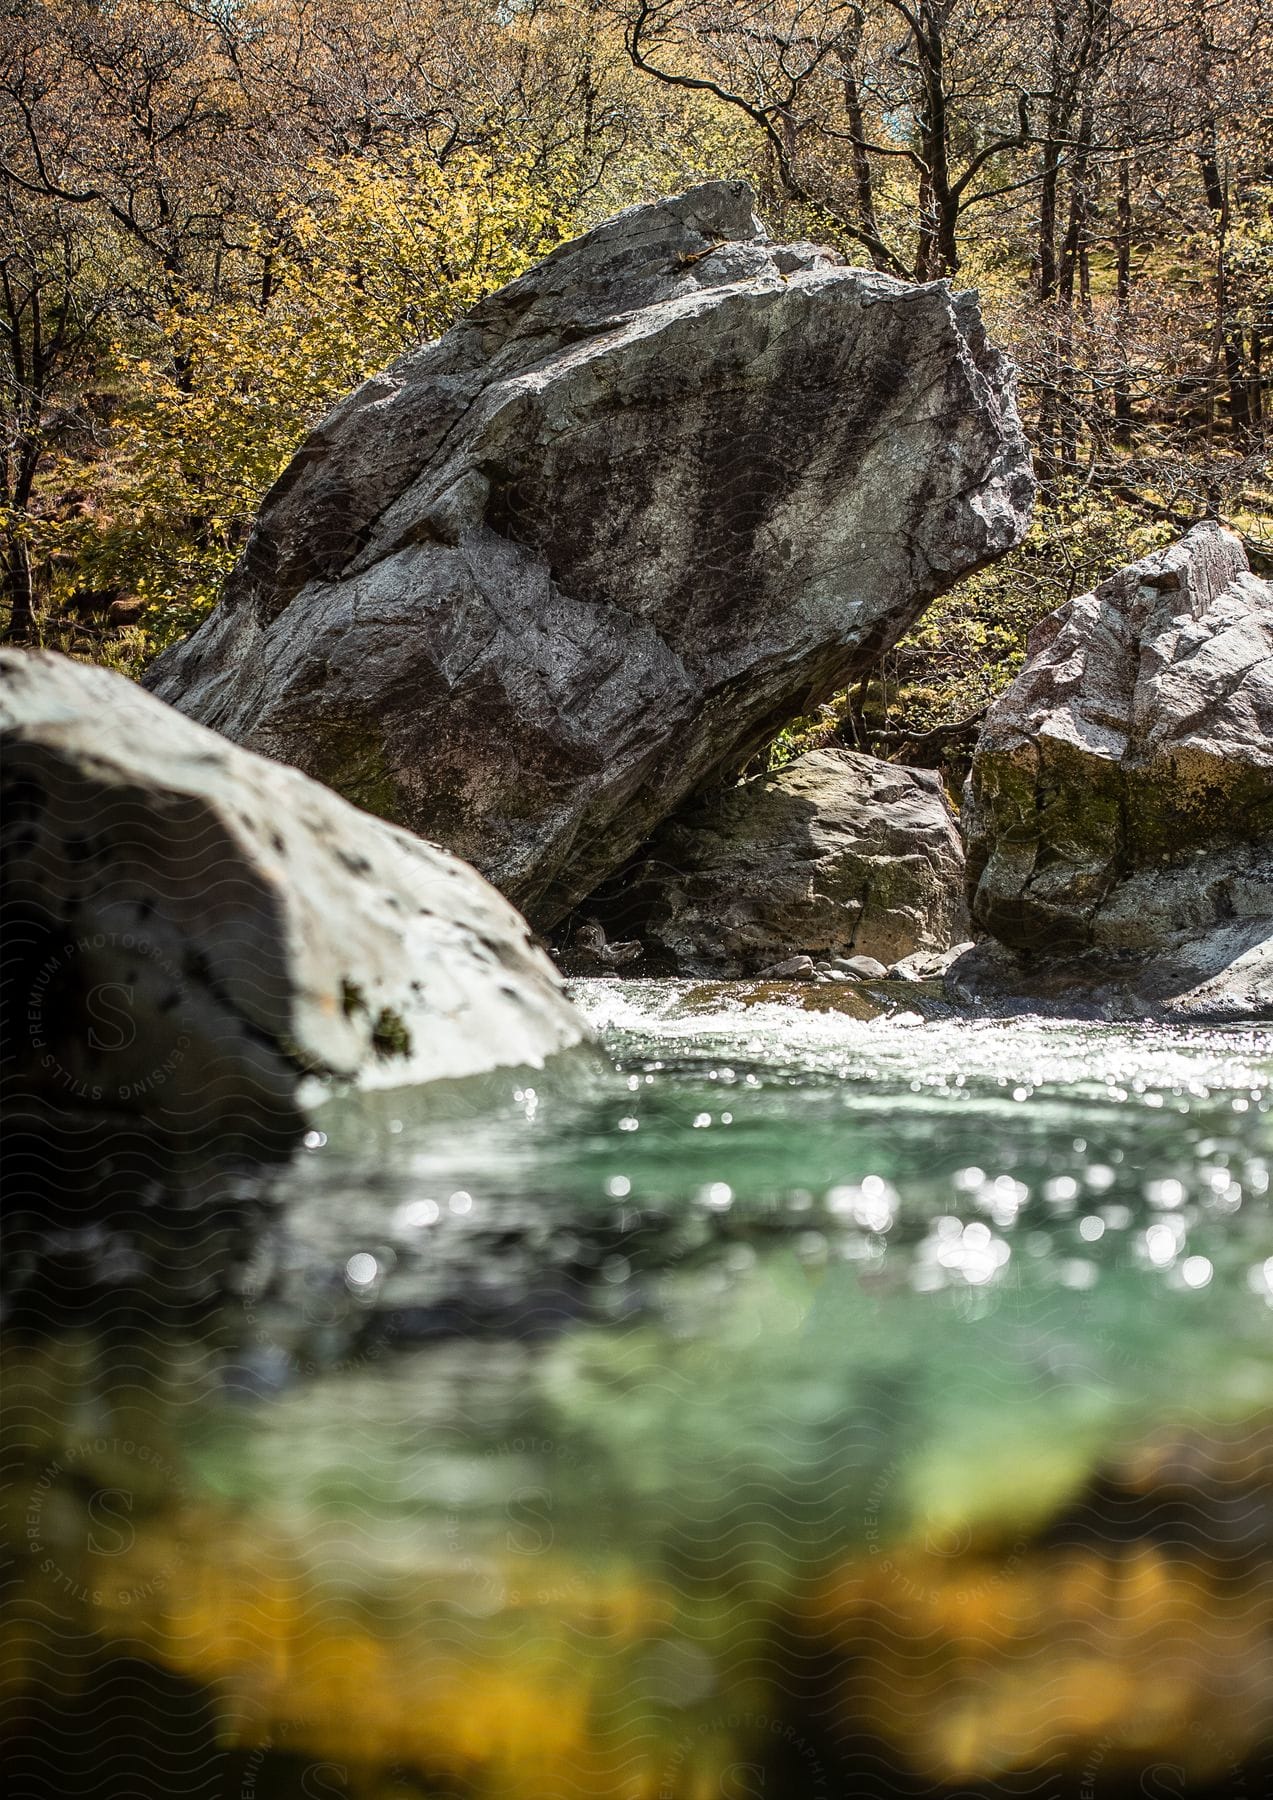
(542,579)
(1119,811)
(191,929)
(834,855)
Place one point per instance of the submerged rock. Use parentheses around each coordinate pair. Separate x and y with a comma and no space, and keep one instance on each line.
(1119,812)
(543,579)
(191,929)
(836,856)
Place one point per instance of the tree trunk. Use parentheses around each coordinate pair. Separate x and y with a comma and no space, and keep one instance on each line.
(863,183)
(1123,293)
(939,205)
(17,584)
(1228,341)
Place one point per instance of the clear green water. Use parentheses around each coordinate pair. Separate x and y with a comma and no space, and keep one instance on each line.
(772,1402)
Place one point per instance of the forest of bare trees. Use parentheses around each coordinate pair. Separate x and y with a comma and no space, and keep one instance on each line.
(217,216)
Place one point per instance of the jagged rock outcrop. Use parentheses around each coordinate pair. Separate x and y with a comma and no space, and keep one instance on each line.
(1119,811)
(191,929)
(836,855)
(533,586)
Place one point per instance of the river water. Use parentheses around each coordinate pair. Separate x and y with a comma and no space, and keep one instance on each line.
(773,1401)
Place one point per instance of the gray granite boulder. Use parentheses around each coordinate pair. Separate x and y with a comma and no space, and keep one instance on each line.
(836,856)
(544,578)
(190,929)
(1119,810)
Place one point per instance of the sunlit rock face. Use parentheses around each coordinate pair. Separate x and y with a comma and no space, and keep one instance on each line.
(1119,812)
(191,929)
(834,854)
(544,578)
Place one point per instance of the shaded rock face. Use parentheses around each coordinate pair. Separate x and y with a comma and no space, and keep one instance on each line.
(542,579)
(1223,974)
(1119,810)
(189,929)
(836,854)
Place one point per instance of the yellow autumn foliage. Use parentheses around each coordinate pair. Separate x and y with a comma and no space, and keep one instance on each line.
(378,259)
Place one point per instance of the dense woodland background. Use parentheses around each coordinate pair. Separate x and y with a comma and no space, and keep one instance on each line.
(218,215)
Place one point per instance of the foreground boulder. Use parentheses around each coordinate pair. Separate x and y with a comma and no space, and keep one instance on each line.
(544,578)
(1119,812)
(837,855)
(191,929)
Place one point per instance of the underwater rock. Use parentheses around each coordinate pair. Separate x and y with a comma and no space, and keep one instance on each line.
(191,929)
(1119,810)
(836,856)
(543,579)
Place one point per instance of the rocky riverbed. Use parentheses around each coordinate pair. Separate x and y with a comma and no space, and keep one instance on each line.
(882,1406)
